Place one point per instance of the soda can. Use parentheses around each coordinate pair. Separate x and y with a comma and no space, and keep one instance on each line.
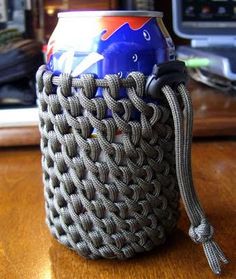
(109,42)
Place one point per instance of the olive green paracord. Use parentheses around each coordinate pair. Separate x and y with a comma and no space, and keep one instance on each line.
(114,195)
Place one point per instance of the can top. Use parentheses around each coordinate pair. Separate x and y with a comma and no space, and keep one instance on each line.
(110,13)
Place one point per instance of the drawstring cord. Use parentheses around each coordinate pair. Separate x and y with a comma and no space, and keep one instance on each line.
(200,230)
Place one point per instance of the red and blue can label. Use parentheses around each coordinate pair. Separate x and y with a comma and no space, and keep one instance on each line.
(103,43)
(108,43)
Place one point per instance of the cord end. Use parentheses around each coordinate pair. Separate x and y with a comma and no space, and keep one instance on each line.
(204,234)
(214,255)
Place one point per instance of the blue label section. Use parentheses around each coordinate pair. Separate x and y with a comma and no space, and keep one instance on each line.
(126,50)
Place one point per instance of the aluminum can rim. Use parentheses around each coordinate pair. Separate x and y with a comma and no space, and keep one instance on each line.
(75,14)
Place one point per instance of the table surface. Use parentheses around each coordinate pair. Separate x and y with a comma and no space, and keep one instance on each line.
(28,251)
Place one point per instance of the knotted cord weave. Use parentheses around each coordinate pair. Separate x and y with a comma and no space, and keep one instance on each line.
(108,164)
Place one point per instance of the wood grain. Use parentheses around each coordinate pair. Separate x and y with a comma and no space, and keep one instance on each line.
(214,111)
(19,136)
(28,251)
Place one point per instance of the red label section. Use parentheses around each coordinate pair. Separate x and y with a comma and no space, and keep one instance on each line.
(112,24)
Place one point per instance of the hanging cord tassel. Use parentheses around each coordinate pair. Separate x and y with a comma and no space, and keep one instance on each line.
(200,231)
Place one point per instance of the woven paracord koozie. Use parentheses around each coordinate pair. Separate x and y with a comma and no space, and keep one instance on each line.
(106,195)
(115,152)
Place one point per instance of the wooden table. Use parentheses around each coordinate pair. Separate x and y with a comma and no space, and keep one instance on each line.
(214,111)
(27,251)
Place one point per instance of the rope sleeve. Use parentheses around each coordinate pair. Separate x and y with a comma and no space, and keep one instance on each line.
(111,181)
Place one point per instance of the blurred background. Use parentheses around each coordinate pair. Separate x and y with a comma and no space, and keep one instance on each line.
(25,27)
